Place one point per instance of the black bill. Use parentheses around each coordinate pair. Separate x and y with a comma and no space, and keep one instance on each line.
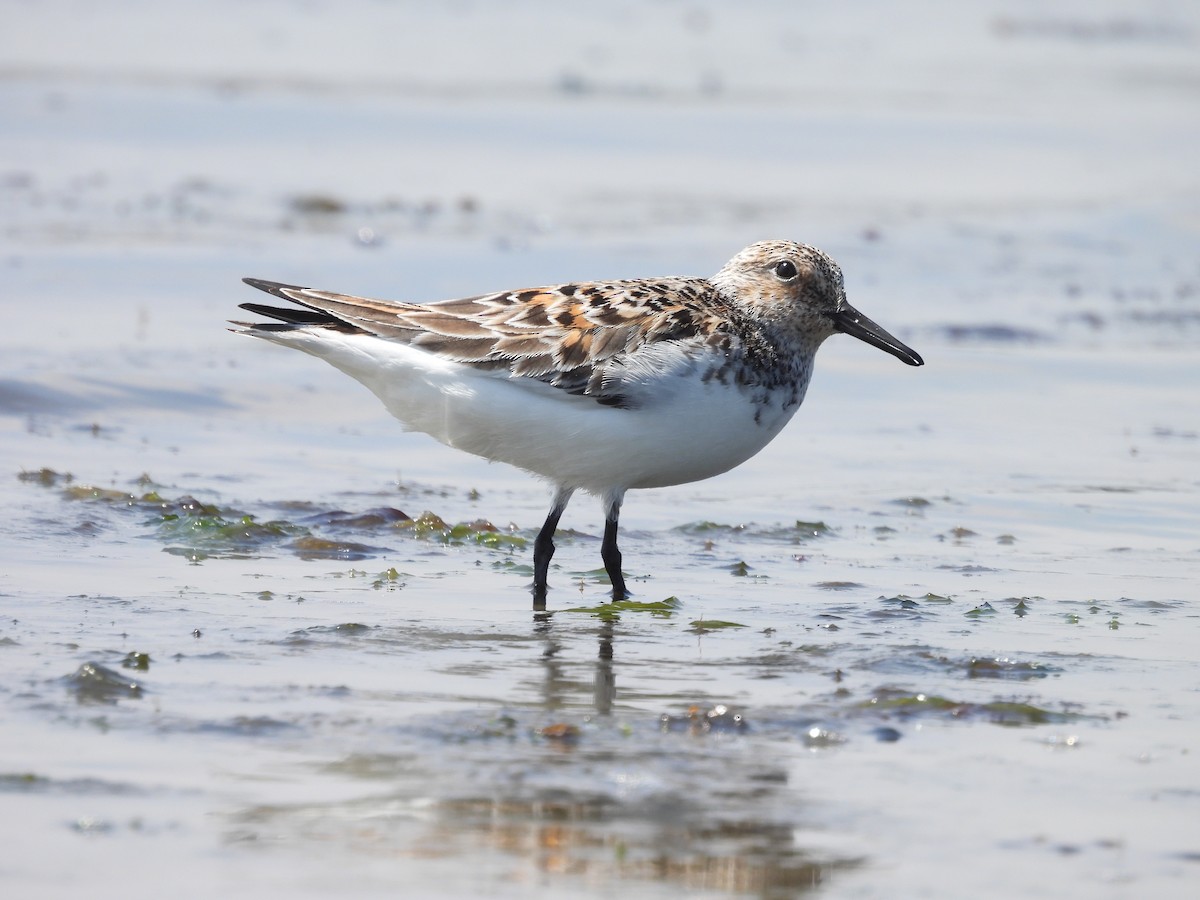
(850,321)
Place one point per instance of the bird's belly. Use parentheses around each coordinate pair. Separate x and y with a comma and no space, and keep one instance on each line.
(684,429)
(696,431)
(695,436)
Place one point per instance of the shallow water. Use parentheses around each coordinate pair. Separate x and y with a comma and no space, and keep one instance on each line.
(938,639)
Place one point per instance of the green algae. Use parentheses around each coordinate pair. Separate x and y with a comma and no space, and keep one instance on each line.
(806,530)
(662,609)
(45,477)
(906,602)
(310,546)
(798,532)
(430,526)
(912,503)
(204,536)
(1009,713)
(999,667)
(390,579)
(706,528)
(96,683)
(139,661)
(703,626)
(198,530)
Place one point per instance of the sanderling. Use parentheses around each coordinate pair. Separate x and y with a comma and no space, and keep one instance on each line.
(600,386)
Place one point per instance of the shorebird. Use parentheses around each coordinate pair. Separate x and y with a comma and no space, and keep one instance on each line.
(596,386)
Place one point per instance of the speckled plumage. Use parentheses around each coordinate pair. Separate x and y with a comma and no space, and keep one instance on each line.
(604,386)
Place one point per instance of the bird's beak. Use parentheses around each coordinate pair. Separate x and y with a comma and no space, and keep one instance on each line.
(849,320)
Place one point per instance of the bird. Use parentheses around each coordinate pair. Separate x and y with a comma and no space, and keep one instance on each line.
(602,386)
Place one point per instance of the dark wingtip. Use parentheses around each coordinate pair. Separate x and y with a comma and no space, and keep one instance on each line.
(290,314)
(276,288)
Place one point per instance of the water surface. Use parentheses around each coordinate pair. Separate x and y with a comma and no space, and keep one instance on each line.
(938,639)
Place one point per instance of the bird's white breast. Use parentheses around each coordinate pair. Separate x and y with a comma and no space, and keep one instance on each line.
(681,428)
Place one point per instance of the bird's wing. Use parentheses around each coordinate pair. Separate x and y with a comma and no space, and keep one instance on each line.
(581,338)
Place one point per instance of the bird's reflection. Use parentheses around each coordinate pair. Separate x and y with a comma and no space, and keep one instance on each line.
(604,687)
(557,685)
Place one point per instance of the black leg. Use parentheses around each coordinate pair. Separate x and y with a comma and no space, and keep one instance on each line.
(543,546)
(610,553)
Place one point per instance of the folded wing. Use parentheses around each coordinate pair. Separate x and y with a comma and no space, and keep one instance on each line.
(580,338)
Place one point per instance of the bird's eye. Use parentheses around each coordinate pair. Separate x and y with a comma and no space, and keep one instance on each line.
(785,271)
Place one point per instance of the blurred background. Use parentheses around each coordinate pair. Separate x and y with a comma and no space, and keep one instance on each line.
(926,144)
